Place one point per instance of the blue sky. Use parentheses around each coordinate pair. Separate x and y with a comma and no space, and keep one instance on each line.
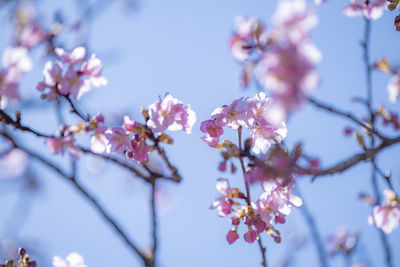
(181,47)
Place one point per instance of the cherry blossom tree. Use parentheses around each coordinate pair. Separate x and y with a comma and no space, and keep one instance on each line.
(279,63)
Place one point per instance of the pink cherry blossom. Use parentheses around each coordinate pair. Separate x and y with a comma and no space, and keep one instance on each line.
(264,130)
(223,203)
(8,86)
(72,260)
(370,9)
(31,35)
(75,56)
(140,150)
(294,20)
(211,128)
(288,71)
(393,88)
(171,114)
(387,215)
(343,241)
(118,140)
(232,236)
(232,116)
(250,236)
(16,58)
(13,164)
(58,145)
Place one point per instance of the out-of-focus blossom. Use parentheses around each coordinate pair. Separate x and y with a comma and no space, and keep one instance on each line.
(249,34)
(342,242)
(393,88)
(288,70)
(17,58)
(75,56)
(387,215)
(370,9)
(58,146)
(294,20)
(171,114)
(72,260)
(397,23)
(13,164)
(31,35)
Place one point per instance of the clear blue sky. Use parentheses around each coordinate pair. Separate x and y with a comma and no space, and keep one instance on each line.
(181,47)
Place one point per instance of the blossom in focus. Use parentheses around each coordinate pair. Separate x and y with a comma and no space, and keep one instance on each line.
(171,114)
(77,79)
(264,129)
(370,9)
(118,140)
(72,260)
(256,114)
(223,203)
(387,215)
(232,236)
(140,150)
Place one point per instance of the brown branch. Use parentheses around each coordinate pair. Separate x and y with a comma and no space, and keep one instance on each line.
(345,114)
(350,162)
(74,109)
(154,221)
(316,236)
(6,119)
(248,199)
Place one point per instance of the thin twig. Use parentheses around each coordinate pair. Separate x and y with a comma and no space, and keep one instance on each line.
(74,109)
(348,115)
(248,199)
(352,161)
(314,232)
(154,220)
(385,242)
(6,119)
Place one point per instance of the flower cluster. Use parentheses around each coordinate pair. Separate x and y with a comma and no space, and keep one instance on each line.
(387,215)
(71,74)
(272,207)
(256,114)
(283,59)
(166,114)
(369,9)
